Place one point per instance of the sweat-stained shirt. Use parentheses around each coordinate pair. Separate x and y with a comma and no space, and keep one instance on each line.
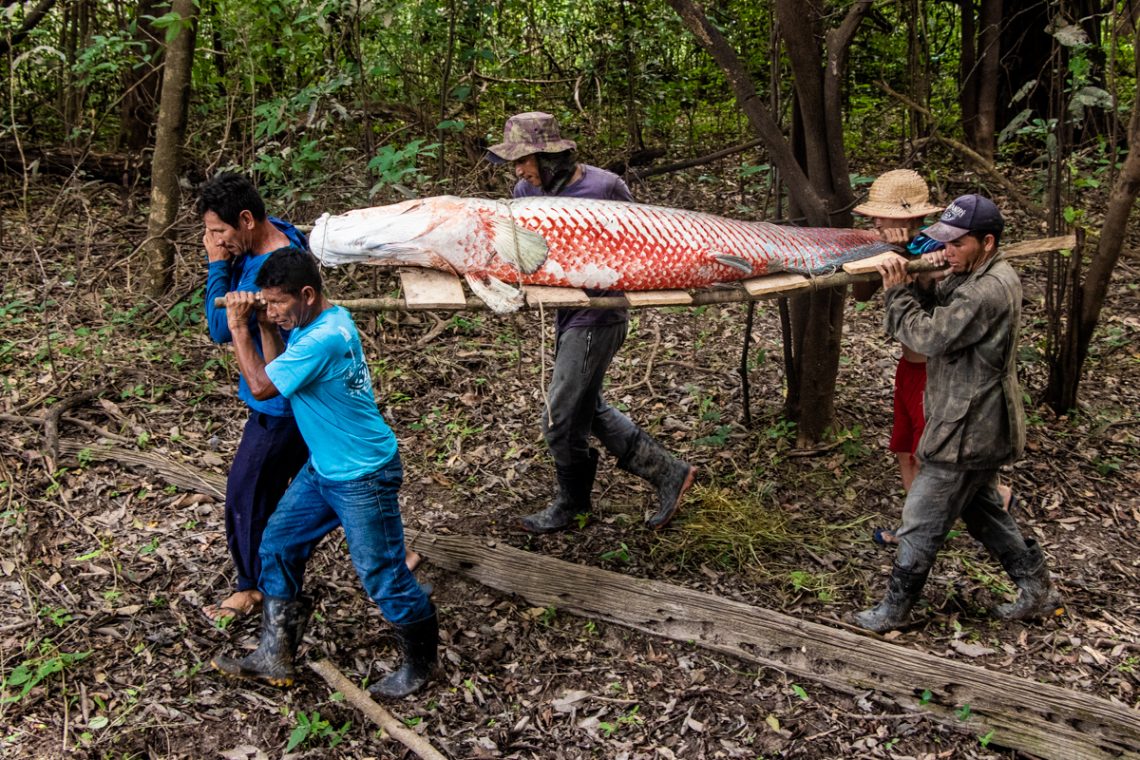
(323,374)
(600,185)
(240,273)
(967,326)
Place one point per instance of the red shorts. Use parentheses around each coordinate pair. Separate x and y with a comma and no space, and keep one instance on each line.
(910,384)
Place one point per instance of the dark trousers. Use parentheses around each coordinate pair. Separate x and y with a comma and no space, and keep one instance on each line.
(575,407)
(937,498)
(269,455)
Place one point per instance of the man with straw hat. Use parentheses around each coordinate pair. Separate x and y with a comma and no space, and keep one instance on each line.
(897,204)
(586,341)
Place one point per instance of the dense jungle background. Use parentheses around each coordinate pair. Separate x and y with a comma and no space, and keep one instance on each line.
(119,416)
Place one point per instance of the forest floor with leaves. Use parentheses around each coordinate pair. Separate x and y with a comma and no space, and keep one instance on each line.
(104,651)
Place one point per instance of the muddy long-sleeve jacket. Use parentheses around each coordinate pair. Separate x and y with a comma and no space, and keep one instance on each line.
(967,325)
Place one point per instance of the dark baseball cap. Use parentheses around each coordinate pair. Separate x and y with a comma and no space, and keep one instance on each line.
(968,213)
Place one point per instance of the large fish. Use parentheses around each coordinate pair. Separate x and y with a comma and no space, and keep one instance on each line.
(574,242)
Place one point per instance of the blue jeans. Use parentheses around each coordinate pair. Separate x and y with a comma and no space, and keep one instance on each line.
(369,511)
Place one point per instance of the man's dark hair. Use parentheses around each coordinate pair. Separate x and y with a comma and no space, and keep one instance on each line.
(555,170)
(290,269)
(980,236)
(227,195)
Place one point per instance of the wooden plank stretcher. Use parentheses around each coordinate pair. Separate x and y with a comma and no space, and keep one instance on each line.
(432,289)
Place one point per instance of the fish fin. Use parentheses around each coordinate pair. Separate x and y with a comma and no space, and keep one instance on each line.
(501,297)
(736,262)
(524,248)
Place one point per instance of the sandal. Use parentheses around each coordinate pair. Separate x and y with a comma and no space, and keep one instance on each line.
(216,613)
(884,537)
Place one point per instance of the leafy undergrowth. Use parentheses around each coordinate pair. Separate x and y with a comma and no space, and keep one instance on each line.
(104,651)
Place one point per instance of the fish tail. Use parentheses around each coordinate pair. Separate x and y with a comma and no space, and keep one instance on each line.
(823,264)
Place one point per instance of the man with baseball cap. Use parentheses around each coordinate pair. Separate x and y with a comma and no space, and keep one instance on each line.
(897,204)
(967,326)
(586,341)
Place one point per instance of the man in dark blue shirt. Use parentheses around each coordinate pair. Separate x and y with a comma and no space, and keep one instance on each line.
(239,238)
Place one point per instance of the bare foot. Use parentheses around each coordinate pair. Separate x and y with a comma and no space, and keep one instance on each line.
(1006,495)
(412,559)
(236,605)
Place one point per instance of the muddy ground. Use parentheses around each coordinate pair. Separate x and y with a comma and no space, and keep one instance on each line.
(104,652)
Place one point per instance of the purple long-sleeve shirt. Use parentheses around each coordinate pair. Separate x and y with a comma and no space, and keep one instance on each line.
(601,185)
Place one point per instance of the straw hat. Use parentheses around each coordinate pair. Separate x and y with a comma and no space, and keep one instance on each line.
(898,194)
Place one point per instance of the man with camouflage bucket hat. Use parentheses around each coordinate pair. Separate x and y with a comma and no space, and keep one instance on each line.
(585,344)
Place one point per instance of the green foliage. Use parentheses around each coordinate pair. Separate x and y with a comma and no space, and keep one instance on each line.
(395,165)
(33,670)
(621,554)
(310,729)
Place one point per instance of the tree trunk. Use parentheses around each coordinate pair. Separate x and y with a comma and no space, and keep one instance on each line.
(981,59)
(917,63)
(759,117)
(167,163)
(1065,369)
(815,175)
(141,83)
(817,317)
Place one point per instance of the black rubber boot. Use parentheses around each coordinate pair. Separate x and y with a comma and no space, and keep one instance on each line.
(419,645)
(903,589)
(649,460)
(573,498)
(283,624)
(1038,597)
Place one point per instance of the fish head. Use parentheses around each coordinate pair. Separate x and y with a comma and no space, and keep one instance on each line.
(425,232)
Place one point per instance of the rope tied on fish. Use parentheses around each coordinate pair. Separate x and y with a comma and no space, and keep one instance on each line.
(579,243)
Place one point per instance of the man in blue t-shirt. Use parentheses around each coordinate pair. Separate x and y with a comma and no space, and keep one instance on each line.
(239,238)
(352,478)
(585,344)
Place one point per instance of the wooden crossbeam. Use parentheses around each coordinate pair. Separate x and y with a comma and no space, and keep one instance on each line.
(431,289)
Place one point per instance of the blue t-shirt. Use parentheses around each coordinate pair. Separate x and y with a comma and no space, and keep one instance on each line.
(323,374)
(601,185)
(240,273)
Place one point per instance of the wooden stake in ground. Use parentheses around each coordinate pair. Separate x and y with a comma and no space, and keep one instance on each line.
(359,699)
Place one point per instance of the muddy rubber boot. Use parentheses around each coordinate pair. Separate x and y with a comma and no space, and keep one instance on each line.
(903,590)
(1038,597)
(419,645)
(283,624)
(672,477)
(573,498)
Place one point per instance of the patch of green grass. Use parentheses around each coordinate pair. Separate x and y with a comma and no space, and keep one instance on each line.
(751,532)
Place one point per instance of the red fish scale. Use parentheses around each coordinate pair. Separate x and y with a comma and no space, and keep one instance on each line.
(643,247)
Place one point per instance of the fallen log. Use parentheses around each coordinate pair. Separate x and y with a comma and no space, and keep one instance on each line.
(359,699)
(1042,719)
(185,476)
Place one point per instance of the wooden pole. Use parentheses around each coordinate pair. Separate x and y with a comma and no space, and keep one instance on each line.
(728,293)
(359,699)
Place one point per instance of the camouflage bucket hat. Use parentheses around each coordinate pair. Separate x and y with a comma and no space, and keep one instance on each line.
(526,133)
